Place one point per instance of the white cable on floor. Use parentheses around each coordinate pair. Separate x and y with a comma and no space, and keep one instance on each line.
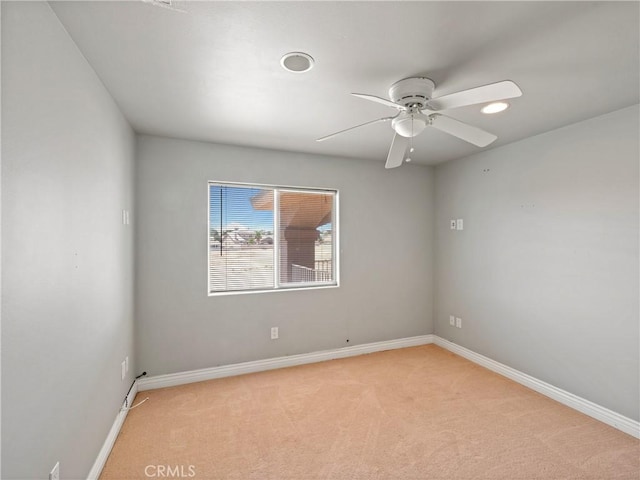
(125,409)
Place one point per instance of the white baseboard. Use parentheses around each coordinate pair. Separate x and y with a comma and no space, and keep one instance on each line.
(98,465)
(173,379)
(594,410)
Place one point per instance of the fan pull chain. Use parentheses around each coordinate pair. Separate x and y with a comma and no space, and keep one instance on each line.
(408,159)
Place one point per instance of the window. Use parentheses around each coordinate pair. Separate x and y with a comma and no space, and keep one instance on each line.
(268,238)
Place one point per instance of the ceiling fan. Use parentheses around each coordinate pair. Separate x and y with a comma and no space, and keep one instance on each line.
(418,110)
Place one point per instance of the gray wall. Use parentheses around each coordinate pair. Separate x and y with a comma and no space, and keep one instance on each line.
(67,277)
(545,272)
(386,220)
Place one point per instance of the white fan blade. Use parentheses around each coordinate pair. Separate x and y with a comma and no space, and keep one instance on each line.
(383,101)
(385,119)
(465,132)
(396,152)
(487,93)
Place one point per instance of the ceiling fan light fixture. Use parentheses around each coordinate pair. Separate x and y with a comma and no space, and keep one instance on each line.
(410,124)
(297,62)
(494,107)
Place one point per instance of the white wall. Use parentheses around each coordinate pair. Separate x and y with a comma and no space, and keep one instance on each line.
(67,307)
(386,219)
(545,272)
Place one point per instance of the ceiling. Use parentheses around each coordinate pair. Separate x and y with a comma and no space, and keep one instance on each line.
(212,72)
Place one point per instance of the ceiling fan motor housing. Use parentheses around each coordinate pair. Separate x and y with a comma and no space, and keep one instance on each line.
(413,91)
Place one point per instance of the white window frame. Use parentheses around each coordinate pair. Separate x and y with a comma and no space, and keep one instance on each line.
(280,286)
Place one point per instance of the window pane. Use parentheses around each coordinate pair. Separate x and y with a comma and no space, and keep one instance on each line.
(305,231)
(241,247)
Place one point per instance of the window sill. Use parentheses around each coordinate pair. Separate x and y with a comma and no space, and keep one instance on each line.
(272,290)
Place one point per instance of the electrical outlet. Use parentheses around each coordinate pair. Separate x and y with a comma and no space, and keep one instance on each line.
(126,364)
(453,225)
(274,333)
(459,224)
(54,474)
(458,322)
(123,370)
(452,320)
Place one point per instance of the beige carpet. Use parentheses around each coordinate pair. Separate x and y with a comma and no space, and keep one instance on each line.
(414,413)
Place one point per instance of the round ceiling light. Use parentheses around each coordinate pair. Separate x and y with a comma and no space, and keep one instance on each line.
(297,62)
(410,124)
(494,107)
